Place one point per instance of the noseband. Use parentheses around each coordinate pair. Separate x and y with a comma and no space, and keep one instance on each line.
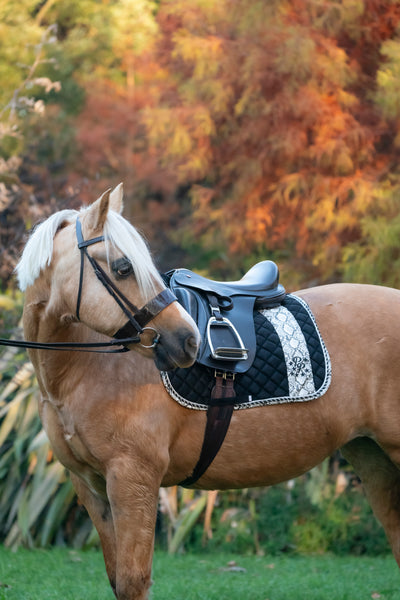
(137,318)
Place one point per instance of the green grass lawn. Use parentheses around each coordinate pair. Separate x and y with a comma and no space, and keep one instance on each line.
(62,574)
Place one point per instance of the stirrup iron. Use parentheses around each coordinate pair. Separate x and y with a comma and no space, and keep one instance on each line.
(227,334)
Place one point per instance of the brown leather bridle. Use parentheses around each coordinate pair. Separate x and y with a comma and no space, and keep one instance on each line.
(137,318)
(125,336)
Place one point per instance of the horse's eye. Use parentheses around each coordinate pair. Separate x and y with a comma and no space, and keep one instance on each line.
(122,267)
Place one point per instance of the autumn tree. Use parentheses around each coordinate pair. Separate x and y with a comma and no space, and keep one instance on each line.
(275,113)
(241,129)
(24,84)
(375,256)
(46,49)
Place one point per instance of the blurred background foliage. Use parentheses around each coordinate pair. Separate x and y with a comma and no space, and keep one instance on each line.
(242,130)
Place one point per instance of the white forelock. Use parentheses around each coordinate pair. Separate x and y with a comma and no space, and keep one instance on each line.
(118,233)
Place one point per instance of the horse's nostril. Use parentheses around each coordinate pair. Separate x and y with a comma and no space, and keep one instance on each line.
(191,344)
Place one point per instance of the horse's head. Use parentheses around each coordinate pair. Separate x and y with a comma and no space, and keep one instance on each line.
(94,268)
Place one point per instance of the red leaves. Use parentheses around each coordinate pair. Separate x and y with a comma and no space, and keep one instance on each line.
(266,109)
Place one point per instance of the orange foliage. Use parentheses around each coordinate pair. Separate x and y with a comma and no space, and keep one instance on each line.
(264,108)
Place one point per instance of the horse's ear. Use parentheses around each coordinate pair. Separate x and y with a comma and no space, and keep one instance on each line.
(116,202)
(98,211)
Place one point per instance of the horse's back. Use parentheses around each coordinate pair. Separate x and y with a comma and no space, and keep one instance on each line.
(360,304)
(360,325)
(350,292)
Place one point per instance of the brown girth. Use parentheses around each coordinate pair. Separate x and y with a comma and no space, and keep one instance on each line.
(219,414)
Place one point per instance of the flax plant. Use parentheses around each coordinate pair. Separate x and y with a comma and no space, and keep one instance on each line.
(35,494)
(182,510)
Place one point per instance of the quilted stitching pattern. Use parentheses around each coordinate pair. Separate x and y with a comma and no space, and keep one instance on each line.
(194,384)
(267,377)
(312,338)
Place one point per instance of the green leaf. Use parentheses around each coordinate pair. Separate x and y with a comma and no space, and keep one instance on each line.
(186,522)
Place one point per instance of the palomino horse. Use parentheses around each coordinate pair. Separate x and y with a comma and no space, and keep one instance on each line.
(114,426)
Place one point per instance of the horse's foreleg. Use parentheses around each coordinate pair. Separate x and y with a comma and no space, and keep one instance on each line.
(100,513)
(133,495)
(381,481)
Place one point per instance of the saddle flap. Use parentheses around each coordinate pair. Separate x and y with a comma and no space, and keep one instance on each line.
(223,312)
(228,343)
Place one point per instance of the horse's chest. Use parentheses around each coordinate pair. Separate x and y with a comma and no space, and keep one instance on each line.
(77,446)
(67,443)
(84,463)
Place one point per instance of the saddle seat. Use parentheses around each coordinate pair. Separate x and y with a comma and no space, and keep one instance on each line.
(262,281)
(223,312)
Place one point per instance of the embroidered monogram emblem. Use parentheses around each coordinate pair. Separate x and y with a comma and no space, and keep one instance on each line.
(299,367)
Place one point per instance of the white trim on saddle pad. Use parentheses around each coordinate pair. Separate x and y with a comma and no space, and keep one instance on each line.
(297,359)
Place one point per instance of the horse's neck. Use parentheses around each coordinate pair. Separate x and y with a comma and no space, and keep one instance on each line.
(61,373)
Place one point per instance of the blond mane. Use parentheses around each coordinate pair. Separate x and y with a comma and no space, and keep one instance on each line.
(118,233)
(38,251)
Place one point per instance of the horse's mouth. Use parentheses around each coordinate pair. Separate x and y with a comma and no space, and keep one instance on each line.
(164,363)
(168,358)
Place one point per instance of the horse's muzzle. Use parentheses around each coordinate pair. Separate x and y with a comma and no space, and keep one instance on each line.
(179,350)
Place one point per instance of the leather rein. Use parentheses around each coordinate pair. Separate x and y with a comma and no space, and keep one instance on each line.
(137,318)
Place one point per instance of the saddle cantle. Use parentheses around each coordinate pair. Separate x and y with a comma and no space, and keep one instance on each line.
(223,312)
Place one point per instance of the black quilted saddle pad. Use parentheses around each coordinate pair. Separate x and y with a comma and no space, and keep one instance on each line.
(291,364)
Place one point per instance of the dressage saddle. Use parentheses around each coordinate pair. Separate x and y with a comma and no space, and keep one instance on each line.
(223,312)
